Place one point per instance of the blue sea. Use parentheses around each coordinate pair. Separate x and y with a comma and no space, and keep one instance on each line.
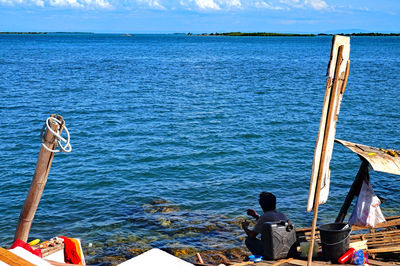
(175,136)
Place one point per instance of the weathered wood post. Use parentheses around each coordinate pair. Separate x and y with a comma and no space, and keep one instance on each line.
(39,180)
(338,70)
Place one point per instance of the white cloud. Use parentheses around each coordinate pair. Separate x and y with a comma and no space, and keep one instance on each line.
(65,3)
(154,4)
(60,3)
(102,4)
(157,5)
(233,3)
(19,2)
(211,4)
(207,4)
(265,5)
(38,2)
(316,4)
(245,4)
(290,2)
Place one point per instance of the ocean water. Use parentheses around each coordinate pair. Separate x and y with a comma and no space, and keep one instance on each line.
(175,136)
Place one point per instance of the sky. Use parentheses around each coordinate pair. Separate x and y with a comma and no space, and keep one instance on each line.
(200,16)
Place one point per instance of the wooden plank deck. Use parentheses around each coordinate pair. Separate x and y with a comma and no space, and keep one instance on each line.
(382,239)
(12,259)
(290,262)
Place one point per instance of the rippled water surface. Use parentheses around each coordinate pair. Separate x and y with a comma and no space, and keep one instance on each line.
(174,137)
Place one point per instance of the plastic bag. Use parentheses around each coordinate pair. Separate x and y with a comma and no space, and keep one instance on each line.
(360,257)
(367,211)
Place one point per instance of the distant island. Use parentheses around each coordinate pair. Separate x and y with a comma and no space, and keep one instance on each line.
(362,34)
(10,32)
(253,34)
(271,34)
(36,32)
(238,33)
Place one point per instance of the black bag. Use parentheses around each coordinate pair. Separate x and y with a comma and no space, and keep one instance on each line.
(278,238)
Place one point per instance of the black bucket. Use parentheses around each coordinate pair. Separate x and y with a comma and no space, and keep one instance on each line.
(335,239)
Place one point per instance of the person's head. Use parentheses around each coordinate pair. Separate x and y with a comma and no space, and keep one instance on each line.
(267,201)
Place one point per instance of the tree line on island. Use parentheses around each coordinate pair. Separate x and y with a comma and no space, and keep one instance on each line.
(291,34)
(236,34)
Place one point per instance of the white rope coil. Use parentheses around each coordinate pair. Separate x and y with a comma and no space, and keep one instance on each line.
(59,139)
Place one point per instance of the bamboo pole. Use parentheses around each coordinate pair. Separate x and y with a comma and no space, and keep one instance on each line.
(38,182)
(332,112)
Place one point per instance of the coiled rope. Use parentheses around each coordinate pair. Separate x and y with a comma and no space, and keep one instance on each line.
(58,138)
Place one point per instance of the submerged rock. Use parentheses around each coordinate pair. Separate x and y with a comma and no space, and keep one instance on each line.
(160,206)
(135,251)
(180,232)
(224,256)
(181,252)
(164,222)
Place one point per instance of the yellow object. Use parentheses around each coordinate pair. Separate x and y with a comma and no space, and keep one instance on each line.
(78,249)
(372,153)
(359,245)
(34,242)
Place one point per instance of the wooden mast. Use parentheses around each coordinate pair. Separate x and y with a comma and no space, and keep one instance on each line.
(330,117)
(336,83)
(38,182)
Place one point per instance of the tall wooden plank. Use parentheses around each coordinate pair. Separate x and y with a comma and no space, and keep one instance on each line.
(320,176)
(337,41)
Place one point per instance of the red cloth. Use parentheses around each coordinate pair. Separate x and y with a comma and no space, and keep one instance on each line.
(22,244)
(70,253)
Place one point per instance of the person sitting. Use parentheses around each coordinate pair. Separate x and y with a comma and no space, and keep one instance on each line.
(268,204)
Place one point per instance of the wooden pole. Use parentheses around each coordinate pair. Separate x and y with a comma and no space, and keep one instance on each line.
(332,112)
(200,259)
(38,182)
(354,190)
(337,41)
